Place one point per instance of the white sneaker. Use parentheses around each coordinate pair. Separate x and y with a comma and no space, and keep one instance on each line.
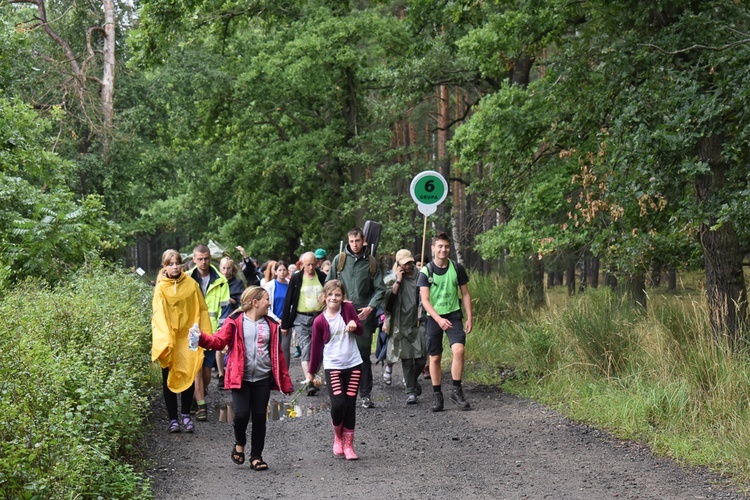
(387,376)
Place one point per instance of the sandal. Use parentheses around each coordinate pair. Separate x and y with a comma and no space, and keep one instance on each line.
(238,457)
(202,414)
(187,423)
(258,464)
(174,426)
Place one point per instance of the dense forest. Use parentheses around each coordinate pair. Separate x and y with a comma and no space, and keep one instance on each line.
(577,137)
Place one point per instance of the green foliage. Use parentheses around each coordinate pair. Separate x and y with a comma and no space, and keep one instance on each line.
(73,390)
(44,231)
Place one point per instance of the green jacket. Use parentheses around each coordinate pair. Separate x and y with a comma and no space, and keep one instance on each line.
(406,338)
(361,289)
(217,297)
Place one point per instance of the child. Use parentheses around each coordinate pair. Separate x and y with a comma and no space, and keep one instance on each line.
(255,366)
(332,340)
(178,304)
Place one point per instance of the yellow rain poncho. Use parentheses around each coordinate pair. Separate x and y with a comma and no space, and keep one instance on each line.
(178,304)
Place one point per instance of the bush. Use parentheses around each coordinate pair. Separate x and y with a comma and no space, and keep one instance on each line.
(74,386)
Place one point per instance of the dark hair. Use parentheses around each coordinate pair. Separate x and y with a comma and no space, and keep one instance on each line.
(354,232)
(278,264)
(441,237)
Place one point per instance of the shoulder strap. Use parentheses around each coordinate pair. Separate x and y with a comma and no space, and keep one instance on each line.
(373,267)
(342,261)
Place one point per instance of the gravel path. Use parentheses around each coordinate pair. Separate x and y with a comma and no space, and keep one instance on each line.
(504,448)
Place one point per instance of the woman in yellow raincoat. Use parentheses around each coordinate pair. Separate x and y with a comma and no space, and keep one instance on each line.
(178,304)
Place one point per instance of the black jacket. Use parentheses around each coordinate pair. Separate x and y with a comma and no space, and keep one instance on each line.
(292,297)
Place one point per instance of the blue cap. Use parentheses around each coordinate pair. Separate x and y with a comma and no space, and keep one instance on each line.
(320,253)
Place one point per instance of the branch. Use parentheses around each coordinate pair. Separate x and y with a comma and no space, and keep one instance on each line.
(697,46)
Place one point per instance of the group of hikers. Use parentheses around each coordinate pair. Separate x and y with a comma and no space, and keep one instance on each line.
(205,318)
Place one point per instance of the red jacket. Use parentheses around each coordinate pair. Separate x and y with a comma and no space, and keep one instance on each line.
(231,334)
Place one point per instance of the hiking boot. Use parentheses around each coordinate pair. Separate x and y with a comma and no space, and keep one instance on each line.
(367,402)
(411,399)
(437,401)
(458,397)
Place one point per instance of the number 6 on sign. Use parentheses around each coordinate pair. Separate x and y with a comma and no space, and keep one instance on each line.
(428,189)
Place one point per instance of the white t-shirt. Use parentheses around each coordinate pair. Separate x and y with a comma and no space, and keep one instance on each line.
(341,351)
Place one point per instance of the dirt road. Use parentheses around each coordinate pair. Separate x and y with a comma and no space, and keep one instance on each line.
(504,448)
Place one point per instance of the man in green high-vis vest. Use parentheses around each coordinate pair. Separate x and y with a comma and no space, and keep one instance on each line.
(443,288)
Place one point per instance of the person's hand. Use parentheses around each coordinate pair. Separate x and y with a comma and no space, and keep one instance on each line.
(469,326)
(284,332)
(399,273)
(444,324)
(351,326)
(364,313)
(242,251)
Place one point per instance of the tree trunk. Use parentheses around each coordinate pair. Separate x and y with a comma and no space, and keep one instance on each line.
(636,290)
(108,74)
(725,283)
(570,277)
(672,279)
(593,272)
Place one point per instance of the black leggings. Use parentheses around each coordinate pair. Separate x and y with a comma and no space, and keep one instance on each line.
(251,400)
(170,398)
(342,391)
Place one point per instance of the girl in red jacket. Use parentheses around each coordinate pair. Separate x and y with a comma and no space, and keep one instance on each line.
(255,366)
(333,340)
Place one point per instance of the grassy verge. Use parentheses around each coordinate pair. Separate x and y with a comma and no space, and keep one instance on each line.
(654,377)
(73,387)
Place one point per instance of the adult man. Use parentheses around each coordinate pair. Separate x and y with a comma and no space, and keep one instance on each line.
(441,281)
(215,290)
(363,281)
(301,305)
(406,340)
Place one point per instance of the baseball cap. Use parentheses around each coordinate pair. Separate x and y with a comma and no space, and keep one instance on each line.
(403,256)
(320,253)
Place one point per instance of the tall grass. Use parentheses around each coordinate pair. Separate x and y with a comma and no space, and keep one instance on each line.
(658,377)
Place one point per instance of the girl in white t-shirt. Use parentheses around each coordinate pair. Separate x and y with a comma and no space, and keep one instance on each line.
(333,342)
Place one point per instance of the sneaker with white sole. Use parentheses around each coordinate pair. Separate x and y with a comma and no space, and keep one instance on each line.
(367,402)
(411,399)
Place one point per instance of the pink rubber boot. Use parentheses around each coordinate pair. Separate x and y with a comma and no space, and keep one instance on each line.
(348,437)
(338,441)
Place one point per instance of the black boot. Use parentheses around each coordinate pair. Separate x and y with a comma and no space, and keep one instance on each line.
(458,397)
(437,401)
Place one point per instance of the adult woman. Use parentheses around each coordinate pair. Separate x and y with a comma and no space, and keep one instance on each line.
(277,288)
(177,305)
(254,368)
(236,287)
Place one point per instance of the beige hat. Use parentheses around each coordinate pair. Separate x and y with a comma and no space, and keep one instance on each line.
(403,256)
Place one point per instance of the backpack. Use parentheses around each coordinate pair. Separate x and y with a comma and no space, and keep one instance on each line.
(431,269)
(342,261)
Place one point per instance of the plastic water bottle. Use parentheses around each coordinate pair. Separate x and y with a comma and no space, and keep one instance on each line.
(194,336)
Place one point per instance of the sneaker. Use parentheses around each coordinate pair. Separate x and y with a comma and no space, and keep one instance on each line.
(458,397)
(411,399)
(367,402)
(387,376)
(437,401)
(297,352)
(202,414)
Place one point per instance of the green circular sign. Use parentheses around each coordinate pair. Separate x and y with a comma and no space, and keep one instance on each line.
(429,189)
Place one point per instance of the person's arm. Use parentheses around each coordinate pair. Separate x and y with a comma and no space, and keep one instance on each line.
(286,319)
(466,298)
(349,313)
(319,328)
(218,340)
(424,293)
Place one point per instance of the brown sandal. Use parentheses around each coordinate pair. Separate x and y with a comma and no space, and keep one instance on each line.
(258,464)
